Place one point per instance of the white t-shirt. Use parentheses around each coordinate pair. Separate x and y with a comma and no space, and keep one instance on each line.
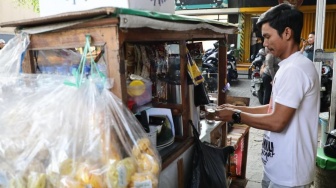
(289,156)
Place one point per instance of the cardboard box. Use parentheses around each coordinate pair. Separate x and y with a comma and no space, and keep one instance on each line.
(52,7)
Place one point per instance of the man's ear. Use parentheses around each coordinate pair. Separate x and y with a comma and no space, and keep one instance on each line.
(287,34)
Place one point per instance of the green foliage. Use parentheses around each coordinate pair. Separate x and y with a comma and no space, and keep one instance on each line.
(34,4)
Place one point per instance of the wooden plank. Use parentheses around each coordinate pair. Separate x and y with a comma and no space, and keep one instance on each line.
(222,66)
(69,38)
(106,22)
(238,183)
(244,160)
(238,132)
(150,35)
(180,173)
(122,71)
(28,65)
(184,89)
(237,100)
(224,133)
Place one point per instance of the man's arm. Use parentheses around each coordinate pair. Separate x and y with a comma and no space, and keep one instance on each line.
(304,44)
(252,110)
(276,121)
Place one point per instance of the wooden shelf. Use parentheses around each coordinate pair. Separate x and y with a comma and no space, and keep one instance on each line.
(238,183)
(238,138)
(237,133)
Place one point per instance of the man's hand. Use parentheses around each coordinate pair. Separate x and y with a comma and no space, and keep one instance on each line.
(225,106)
(224,114)
(305,43)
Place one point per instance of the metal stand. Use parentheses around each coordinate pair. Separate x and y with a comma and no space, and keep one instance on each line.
(321,56)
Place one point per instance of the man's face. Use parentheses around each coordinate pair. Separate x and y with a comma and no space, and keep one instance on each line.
(2,45)
(272,40)
(311,38)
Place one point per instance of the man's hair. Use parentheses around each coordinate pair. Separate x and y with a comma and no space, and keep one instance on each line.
(281,16)
(313,33)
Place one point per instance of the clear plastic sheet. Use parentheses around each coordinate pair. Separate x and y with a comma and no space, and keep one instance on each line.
(56,135)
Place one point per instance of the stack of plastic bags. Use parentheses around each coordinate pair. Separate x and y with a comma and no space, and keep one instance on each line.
(67,131)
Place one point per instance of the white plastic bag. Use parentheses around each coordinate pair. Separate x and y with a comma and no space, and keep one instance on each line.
(56,135)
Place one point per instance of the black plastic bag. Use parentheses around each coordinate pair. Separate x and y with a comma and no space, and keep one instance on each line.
(209,164)
(330,145)
(200,95)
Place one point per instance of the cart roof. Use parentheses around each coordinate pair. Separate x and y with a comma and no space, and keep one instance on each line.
(137,18)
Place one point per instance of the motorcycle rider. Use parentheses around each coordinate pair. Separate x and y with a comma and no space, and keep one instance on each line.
(268,70)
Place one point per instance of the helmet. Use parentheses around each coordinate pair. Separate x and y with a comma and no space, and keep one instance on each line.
(330,145)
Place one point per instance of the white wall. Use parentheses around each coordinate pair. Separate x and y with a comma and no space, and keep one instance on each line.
(9,11)
(49,7)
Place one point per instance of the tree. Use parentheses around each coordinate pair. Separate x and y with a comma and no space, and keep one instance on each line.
(29,3)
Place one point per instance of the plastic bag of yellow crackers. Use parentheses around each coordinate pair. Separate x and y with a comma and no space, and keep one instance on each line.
(54,135)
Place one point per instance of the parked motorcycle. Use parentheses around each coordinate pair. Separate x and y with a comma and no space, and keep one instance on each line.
(326,84)
(232,73)
(256,78)
(210,62)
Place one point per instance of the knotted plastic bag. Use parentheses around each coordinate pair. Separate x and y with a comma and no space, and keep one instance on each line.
(76,134)
(209,164)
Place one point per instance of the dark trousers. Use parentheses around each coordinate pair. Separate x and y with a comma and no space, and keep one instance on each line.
(267,79)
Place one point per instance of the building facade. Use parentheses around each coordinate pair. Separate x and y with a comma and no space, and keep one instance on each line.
(10,11)
(246,12)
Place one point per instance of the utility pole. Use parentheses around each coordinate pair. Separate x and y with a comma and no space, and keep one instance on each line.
(319,24)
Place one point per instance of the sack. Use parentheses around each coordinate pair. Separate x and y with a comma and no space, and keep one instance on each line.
(209,164)
(68,131)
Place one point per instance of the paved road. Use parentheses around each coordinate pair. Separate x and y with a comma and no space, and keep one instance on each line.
(254,167)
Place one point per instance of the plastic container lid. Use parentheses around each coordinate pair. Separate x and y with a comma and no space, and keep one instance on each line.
(136,88)
(324,161)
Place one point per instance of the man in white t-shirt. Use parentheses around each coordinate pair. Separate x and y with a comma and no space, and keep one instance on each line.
(290,120)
